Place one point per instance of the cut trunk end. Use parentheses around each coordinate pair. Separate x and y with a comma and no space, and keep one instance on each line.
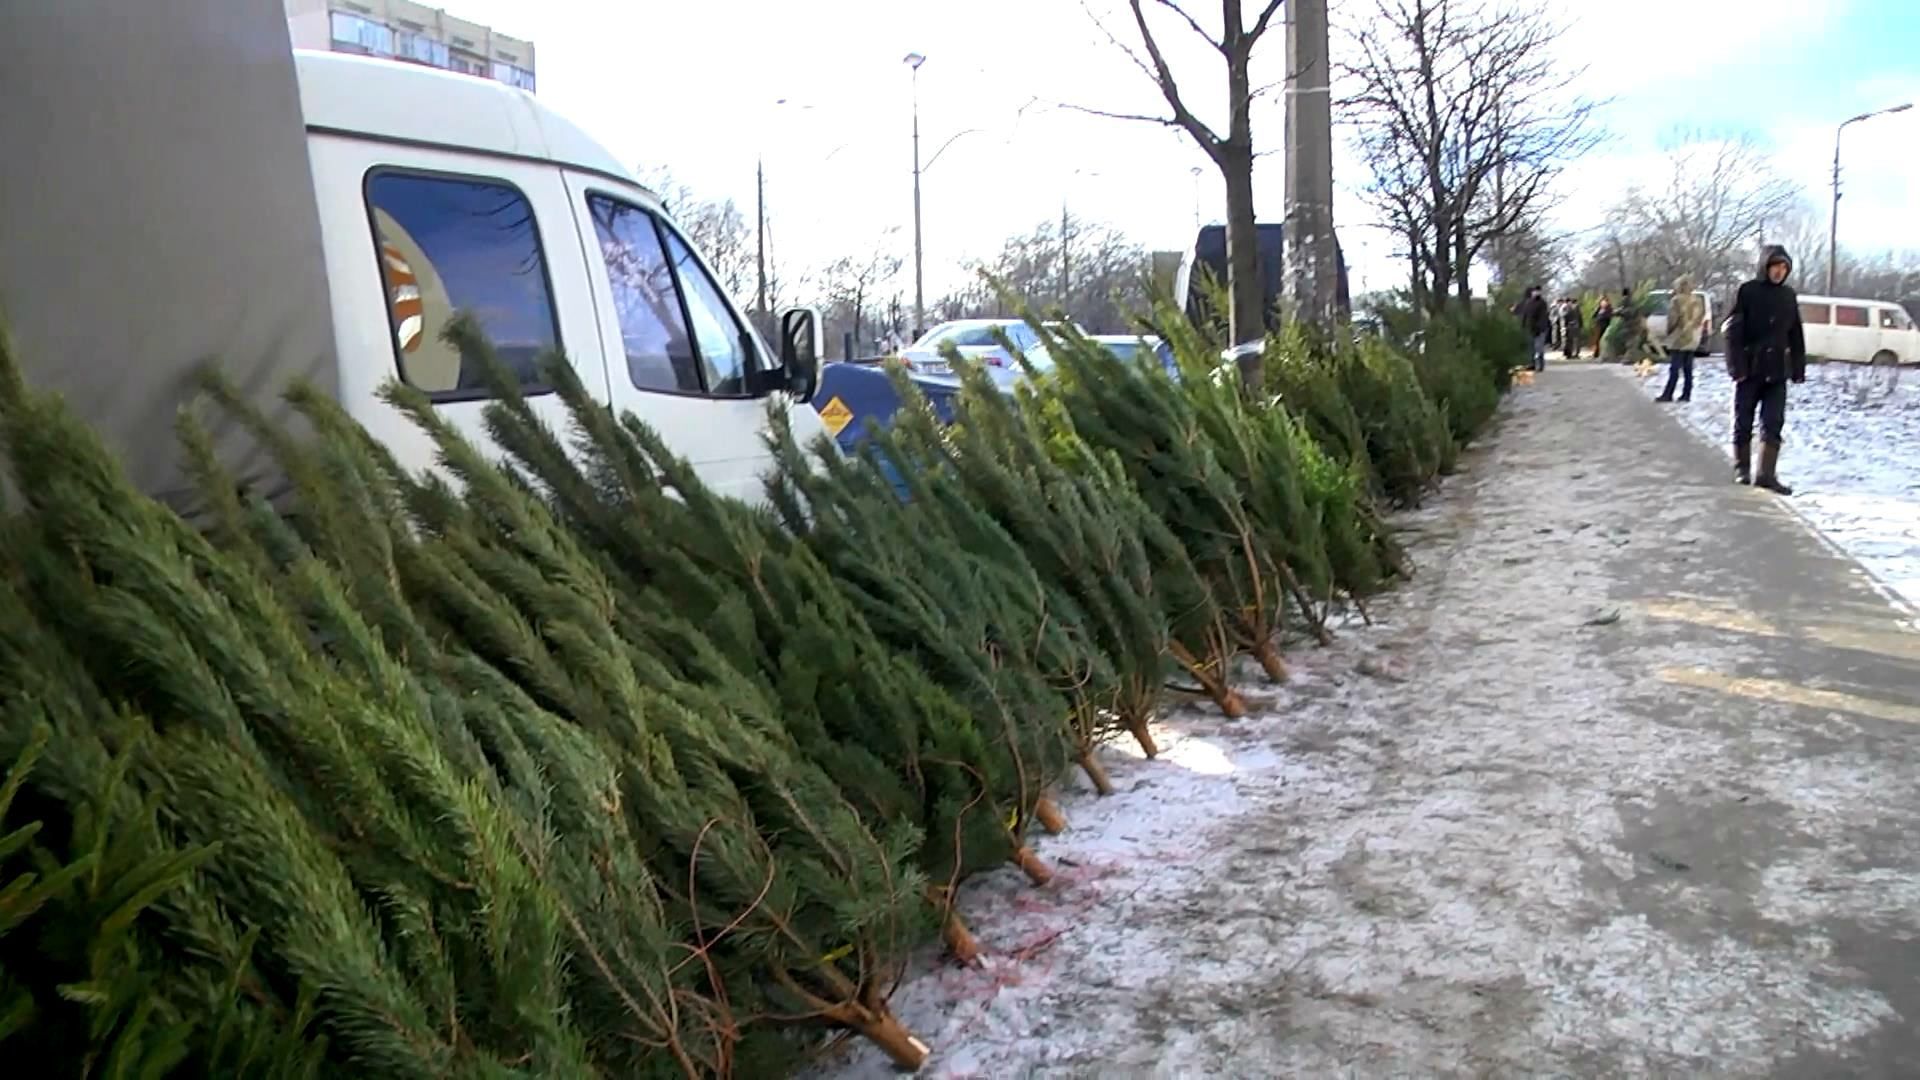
(959,940)
(1030,864)
(1137,725)
(1229,702)
(1051,819)
(953,930)
(1096,773)
(1270,662)
(890,1035)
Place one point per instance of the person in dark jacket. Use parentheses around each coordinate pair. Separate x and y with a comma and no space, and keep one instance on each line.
(1766,349)
(1538,319)
(1602,318)
(1571,328)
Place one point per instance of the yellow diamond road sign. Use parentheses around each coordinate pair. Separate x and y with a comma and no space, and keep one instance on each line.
(836,415)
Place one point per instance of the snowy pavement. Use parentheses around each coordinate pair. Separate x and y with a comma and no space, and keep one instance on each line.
(1852,454)
(1621,784)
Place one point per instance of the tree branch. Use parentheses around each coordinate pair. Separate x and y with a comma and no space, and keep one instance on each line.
(1194,24)
(1170,89)
(1260,24)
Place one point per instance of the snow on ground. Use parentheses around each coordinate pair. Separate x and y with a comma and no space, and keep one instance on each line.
(1499,832)
(1852,455)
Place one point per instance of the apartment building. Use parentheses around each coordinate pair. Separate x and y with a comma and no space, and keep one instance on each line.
(414,33)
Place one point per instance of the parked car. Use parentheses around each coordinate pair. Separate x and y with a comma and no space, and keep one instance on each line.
(978,339)
(1128,346)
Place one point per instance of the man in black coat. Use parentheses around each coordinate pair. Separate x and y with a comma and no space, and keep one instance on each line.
(1766,349)
(1535,316)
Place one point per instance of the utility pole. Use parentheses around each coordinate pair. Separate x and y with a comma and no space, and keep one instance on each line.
(914,60)
(1833,228)
(1312,265)
(760,199)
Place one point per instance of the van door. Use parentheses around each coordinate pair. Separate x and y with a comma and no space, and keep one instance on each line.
(1856,338)
(682,358)
(1816,322)
(414,235)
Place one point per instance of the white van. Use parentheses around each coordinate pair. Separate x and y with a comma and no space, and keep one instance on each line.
(1859,331)
(201,190)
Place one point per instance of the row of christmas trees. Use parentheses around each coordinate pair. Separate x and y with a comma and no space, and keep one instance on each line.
(570,767)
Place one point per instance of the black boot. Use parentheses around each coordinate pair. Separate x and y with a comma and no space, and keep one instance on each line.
(1743,463)
(1769,462)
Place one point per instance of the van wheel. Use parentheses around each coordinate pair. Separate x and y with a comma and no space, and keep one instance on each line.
(1885,358)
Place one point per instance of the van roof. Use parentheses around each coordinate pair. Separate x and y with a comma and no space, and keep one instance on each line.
(1856,301)
(391,99)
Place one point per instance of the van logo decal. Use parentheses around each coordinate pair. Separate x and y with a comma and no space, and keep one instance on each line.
(835,415)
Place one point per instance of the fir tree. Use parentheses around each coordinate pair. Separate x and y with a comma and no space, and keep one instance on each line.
(1156,426)
(1075,516)
(855,704)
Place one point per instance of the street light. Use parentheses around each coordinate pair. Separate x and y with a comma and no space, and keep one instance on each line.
(914,60)
(1833,233)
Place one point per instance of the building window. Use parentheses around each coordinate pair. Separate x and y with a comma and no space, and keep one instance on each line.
(420,48)
(366,33)
(1816,314)
(677,331)
(453,245)
(1846,315)
(513,76)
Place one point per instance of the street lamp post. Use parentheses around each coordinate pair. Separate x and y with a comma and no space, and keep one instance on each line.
(914,60)
(1833,229)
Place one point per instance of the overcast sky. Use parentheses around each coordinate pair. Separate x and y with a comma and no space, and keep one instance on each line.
(696,88)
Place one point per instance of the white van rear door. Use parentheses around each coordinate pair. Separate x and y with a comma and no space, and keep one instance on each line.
(416,234)
(681,356)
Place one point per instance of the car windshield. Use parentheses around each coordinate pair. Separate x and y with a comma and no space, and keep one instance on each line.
(1125,350)
(964,337)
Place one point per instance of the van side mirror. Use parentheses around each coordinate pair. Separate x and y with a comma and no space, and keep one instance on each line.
(800,351)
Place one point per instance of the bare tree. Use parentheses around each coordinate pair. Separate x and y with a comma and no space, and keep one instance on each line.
(1465,118)
(852,287)
(1098,277)
(1720,198)
(1231,153)
(717,228)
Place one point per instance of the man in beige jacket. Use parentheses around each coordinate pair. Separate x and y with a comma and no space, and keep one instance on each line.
(1686,329)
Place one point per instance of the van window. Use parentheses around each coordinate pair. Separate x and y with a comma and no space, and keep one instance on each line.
(1816,314)
(1848,315)
(722,341)
(1894,319)
(677,331)
(653,325)
(460,245)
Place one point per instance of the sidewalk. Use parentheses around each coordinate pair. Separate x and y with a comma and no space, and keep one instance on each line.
(1626,782)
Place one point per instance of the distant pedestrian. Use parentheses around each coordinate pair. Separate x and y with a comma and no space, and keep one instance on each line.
(1686,327)
(1570,327)
(1602,318)
(1538,322)
(1766,349)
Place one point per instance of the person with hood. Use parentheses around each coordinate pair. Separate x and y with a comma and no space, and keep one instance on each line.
(1538,321)
(1686,324)
(1570,328)
(1766,349)
(1602,318)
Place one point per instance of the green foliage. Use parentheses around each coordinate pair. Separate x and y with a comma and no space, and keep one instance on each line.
(569,766)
